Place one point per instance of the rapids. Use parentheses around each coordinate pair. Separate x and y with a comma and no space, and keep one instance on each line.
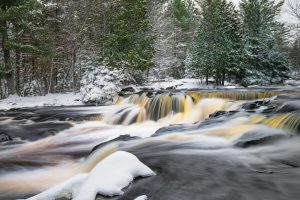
(201,144)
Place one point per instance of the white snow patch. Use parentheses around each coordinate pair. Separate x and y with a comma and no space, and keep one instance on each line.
(176,84)
(14,101)
(185,84)
(108,178)
(143,197)
(65,189)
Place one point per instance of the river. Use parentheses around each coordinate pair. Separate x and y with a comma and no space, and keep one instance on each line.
(206,145)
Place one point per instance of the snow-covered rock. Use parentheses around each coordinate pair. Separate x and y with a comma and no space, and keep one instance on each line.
(292,82)
(108,178)
(63,190)
(105,180)
(143,197)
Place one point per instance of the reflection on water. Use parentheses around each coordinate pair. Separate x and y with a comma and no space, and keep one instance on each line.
(29,168)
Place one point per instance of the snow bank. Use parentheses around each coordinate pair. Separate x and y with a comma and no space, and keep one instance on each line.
(185,84)
(292,82)
(143,197)
(14,101)
(65,189)
(112,175)
(108,178)
(175,84)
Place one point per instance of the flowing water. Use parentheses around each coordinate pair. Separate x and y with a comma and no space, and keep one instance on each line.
(202,145)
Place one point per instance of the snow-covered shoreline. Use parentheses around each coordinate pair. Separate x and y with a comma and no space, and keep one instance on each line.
(71,99)
(14,101)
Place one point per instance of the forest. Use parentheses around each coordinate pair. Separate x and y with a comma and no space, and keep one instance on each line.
(56,46)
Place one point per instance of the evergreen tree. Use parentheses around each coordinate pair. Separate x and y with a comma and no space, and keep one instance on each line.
(294,57)
(217,48)
(14,17)
(263,58)
(128,43)
(182,11)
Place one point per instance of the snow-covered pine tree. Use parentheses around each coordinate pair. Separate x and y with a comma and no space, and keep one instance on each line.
(173,27)
(294,57)
(264,63)
(217,48)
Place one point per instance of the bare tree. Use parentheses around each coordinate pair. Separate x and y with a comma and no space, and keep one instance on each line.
(294,8)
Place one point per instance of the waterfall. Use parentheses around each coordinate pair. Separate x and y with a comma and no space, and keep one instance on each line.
(178,108)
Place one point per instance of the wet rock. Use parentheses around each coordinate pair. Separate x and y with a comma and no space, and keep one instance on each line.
(5,138)
(121,138)
(269,108)
(255,105)
(262,137)
(177,128)
(222,113)
(128,89)
(192,176)
(24,116)
(289,106)
(33,131)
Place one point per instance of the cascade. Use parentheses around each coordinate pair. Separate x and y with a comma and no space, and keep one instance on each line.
(179,107)
(288,121)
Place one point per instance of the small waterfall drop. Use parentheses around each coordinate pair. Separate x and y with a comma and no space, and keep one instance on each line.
(178,108)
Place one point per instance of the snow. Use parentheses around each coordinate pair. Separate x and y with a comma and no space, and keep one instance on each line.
(175,84)
(110,182)
(108,178)
(292,82)
(143,197)
(185,84)
(99,84)
(65,189)
(15,101)
(102,85)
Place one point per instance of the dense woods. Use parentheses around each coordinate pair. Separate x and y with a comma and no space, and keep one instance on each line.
(50,46)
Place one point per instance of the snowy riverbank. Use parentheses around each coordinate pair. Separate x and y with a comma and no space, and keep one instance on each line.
(71,99)
(14,101)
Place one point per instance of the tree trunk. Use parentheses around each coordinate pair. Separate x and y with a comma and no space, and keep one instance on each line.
(45,90)
(223,78)
(51,84)
(17,78)
(1,91)
(7,62)
(73,68)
